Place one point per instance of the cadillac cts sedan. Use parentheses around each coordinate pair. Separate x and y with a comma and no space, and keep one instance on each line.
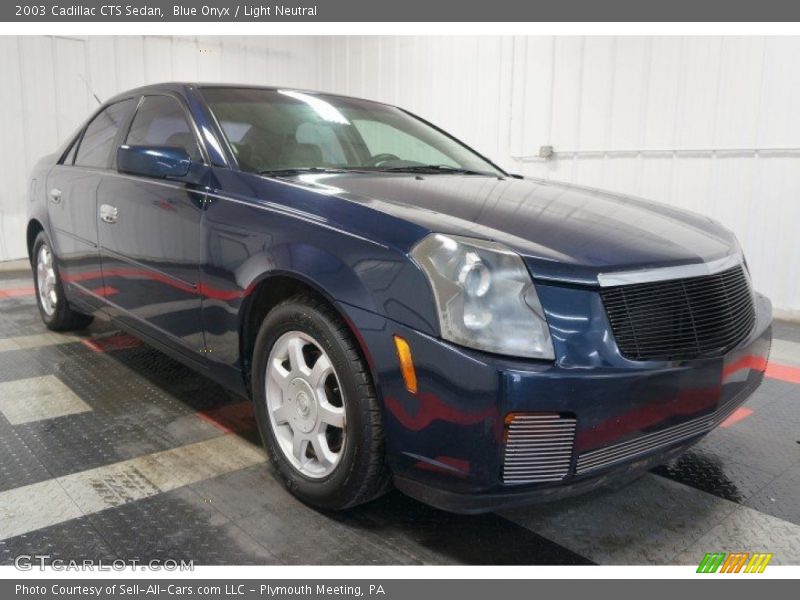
(401,311)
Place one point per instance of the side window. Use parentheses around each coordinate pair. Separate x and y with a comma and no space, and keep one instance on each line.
(98,139)
(160,121)
(385,139)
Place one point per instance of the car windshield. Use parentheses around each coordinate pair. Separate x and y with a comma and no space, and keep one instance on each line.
(284,131)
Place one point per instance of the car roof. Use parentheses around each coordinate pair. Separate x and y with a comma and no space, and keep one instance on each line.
(182,87)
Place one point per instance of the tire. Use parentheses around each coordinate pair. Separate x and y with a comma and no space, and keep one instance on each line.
(56,312)
(359,473)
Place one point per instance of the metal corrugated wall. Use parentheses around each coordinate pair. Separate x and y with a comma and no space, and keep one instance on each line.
(706,123)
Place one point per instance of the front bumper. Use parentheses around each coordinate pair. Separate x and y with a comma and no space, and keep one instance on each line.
(446,444)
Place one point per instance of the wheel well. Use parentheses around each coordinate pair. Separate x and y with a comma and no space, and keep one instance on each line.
(34,227)
(266,296)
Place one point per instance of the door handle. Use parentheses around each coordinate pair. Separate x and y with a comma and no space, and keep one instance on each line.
(108,213)
(55,196)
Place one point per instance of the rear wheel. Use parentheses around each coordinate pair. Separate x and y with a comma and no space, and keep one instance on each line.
(316,406)
(53,306)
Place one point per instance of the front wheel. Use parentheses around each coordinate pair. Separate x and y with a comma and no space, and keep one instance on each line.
(56,312)
(316,407)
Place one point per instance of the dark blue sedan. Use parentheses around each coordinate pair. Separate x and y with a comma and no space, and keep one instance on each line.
(400,310)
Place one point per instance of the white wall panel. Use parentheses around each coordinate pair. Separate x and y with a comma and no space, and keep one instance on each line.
(72,102)
(209,59)
(158,59)
(39,108)
(131,64)
(101,55)
(15,153)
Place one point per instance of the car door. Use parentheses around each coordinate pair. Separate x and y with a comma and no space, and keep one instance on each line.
(72,198)
(150,233)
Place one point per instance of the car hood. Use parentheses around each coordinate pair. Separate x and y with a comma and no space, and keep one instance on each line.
(565,232)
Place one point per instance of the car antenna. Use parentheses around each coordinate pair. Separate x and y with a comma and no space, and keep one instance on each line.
(89,89)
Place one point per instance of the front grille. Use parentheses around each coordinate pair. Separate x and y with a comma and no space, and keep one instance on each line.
(538,448)
(682,318)
(604,457)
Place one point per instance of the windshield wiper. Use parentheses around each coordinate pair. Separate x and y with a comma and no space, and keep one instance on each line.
(289,171)
(436,169)
(428,169)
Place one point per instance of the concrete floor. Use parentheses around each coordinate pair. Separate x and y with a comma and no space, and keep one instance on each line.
(109,449)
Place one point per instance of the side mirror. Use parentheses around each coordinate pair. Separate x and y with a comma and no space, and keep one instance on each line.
(159,162)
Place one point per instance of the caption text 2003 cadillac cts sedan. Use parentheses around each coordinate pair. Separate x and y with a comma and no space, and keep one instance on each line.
(401,310)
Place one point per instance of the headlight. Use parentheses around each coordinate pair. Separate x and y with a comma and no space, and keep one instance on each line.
(484,296)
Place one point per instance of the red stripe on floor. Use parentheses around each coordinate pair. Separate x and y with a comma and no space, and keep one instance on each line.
(111,343)
(231,418)
(13,292)
(771,369)
(740,414)
(783,372)
(750,361)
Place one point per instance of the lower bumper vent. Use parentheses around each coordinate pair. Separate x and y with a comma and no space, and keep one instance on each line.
(603,457)
(538,447)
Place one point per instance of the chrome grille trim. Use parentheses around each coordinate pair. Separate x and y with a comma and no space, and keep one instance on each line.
(609,455)
(641,445)
(538,448)
(666,273)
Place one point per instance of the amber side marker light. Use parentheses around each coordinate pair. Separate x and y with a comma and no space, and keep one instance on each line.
(406,363)
(507,421)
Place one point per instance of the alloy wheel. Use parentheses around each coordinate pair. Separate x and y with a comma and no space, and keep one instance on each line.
(46,280)
(305,404)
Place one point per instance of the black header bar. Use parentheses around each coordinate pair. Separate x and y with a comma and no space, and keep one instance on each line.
(403,11)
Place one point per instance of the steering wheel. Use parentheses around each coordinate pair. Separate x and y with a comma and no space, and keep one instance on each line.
(383,157)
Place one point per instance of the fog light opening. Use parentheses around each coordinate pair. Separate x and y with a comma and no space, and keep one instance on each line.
(406,363)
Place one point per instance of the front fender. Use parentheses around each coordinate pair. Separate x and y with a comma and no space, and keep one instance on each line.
(248,244)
